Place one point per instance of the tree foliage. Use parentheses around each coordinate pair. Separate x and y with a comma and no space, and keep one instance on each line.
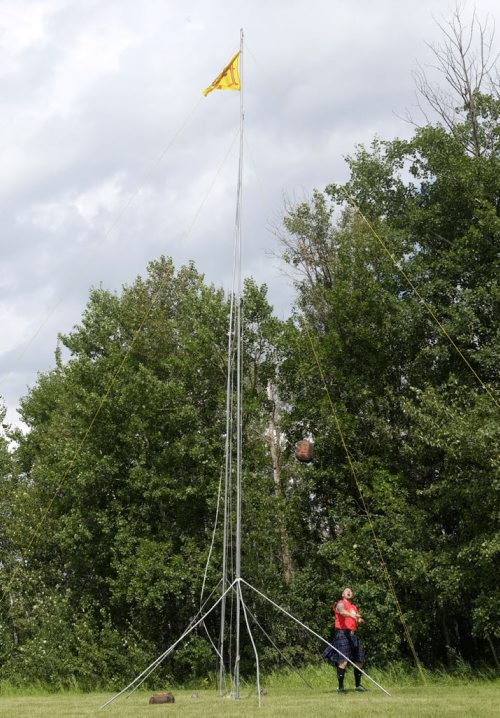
(421,431)
(118,473)
(389,364)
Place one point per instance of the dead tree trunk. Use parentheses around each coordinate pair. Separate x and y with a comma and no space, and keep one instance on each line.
(274,442)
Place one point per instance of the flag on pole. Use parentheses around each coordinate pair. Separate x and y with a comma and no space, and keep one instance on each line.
(228,79)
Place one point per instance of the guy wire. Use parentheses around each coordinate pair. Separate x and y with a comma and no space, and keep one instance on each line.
(415,290)
(105,397)
(365,507)
(363,502)
(341,434)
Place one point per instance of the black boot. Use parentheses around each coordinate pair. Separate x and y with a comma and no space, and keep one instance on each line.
(340,678)
(357,680)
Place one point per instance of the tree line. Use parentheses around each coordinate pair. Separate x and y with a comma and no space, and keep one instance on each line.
(108,498)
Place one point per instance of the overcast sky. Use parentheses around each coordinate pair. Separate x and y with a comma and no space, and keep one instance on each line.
(110,156)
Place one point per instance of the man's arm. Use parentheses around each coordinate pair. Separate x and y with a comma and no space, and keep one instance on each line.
(349,614)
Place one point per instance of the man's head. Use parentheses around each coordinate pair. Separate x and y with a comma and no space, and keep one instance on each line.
(347,593)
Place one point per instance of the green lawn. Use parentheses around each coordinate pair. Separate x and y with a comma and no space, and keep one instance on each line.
(436,700)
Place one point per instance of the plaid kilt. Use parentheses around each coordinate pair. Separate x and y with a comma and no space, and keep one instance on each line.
(348,644)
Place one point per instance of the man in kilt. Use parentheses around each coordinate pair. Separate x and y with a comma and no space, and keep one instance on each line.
(346,641)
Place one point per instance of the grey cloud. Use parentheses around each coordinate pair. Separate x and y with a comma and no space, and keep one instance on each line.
(81,133)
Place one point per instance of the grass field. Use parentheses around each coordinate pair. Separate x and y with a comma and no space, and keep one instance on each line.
(438,700)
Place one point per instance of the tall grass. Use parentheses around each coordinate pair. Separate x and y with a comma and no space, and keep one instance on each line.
(319,676)
(322,676)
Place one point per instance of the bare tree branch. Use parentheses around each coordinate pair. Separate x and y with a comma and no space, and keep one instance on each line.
(467,61)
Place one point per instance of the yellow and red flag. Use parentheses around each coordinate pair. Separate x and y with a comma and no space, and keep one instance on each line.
(228,79)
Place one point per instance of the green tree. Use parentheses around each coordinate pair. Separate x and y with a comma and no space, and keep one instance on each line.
(410,409)
(119,470)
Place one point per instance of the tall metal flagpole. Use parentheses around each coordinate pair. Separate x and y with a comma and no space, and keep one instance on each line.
(238,386)
(227,481)
(233,422)
(233,427)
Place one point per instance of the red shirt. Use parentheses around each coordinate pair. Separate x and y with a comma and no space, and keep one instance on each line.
(345,622)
